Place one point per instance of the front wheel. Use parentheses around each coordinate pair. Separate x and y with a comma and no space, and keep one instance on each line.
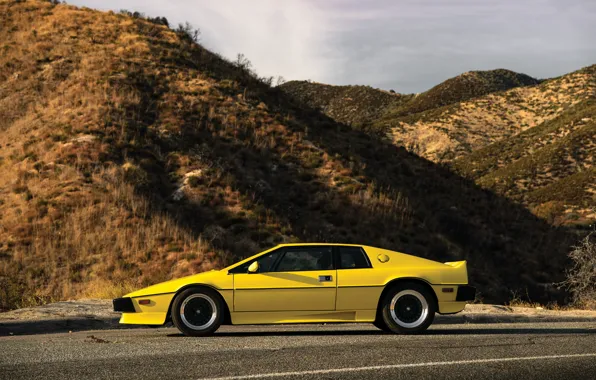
(408,308)
(381,326)
(197,312)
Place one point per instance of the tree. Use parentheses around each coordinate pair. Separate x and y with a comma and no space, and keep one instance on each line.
(243,62)
(187,30)
(581,277)
(280,80)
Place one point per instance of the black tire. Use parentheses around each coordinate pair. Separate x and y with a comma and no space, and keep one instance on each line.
(408,308)
(198,311)
(381,325)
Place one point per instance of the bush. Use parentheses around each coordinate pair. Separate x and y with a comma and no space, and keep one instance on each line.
(549,210)
(187,31)
(159,20)
(581,277)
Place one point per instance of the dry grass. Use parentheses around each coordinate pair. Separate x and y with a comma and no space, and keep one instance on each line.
(451,132)
(549,168)
(106,242)
(83,185)
(531,141)
(357,106)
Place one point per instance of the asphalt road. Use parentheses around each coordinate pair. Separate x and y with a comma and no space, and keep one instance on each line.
(472,351)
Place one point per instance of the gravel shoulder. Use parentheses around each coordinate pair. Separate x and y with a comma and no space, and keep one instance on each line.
(97,314)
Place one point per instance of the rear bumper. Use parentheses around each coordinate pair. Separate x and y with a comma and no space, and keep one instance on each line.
(123,305)
(465,293)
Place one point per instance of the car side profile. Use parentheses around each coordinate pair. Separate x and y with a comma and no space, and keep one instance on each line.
(307,283)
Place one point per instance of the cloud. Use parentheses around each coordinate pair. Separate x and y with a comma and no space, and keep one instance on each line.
(278,37)
(407,45)
(413,45)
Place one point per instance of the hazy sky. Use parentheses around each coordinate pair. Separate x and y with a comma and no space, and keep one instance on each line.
(405,45)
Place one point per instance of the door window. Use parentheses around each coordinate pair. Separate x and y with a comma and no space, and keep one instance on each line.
(266,262)
(353,258)
(306,259)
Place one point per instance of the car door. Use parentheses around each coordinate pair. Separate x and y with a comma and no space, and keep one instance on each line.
(357,284)
(297,278)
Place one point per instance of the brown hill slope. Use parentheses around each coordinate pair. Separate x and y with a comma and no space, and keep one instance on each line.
(531,143)
(450,132)
(549,168)
(456,117)
(357,106)
(130,155)
(466,86)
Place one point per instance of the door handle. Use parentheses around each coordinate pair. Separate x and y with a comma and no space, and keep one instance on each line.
(325,278)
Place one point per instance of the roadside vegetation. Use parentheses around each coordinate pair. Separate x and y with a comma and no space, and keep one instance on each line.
(581,277)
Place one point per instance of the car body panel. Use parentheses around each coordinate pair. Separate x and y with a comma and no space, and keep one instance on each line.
(259,318)
(451,307)
(214,279)
(350,295)
(284,291)
(152,314)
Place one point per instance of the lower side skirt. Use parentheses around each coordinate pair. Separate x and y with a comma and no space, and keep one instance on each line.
(273,317)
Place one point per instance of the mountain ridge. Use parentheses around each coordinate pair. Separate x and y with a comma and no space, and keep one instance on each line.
(471,132)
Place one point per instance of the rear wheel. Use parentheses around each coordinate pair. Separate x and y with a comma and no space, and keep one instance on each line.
(408,308)
(197,311)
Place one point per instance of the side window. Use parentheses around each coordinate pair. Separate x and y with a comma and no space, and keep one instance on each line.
(353,258)
(305,259)
(265,262)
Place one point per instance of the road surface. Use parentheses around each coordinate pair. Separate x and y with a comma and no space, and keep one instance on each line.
(470,351)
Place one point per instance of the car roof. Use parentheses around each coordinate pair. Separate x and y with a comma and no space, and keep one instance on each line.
(293,245)
(315,244)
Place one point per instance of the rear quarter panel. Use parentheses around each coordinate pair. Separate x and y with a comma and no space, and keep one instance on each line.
(361,289)
(401,265)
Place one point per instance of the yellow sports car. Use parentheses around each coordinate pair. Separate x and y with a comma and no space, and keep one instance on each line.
(307,283)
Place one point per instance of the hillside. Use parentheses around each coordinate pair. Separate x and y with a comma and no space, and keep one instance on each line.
(466,86)
(357,106)
(130,155)
(449,132)
(531,142)
(549,168)
(456,117)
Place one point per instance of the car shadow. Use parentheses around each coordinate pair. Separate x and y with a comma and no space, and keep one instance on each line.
(481,331)
(61,325)
(511,331)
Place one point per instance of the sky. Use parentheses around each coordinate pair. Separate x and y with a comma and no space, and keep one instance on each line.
(405,45)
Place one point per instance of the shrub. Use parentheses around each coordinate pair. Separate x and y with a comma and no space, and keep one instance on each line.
(581,277)
(194,180)
(189,32)
(549,210)
(159,20)
(135,175)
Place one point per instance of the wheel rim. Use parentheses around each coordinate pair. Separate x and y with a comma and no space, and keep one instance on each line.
(198,311)
(409,308)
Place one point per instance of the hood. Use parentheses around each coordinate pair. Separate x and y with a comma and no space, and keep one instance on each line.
(173,286)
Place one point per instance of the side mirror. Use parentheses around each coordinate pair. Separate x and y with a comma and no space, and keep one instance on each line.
(254,267)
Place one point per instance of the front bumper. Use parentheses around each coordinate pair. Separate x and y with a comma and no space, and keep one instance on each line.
(123,305)
(465,293)
(154,312)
